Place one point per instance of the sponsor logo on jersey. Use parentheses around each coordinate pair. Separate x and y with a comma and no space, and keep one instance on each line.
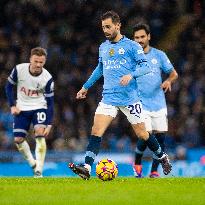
(140,51)
(29,92)
(112,52)
(121,51)
(110,64)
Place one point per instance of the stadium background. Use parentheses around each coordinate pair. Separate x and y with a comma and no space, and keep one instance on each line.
(71,33)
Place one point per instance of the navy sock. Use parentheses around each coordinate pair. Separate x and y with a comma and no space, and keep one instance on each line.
(160,138)
(92,149)
(154,146)
(141,146)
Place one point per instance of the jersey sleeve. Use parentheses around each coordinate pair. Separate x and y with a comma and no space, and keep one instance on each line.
(49,89)
(142,65)
(49,95)
(96,74)
(166,65)
(12,80)
(13,76)
(10,93)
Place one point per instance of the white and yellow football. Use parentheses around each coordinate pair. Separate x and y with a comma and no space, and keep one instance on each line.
(106,169)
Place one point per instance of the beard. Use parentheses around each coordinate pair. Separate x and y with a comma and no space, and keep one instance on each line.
(35,72)
(144,45)
(112,36)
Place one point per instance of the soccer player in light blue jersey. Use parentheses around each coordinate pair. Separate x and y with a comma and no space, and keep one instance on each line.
(121,60)
(151,91)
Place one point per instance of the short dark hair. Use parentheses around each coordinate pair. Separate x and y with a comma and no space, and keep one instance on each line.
(141,26)
(38,51)
(111,14)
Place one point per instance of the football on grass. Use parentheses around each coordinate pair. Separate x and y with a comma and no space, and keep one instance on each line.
(106,169)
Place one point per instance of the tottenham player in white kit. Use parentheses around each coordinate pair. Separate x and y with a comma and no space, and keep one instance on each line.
(34,105)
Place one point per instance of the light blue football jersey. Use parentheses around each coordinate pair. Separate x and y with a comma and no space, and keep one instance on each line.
(151,95)
(116,60)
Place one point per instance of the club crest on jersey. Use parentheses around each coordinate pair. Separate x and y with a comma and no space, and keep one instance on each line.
(112,52)
(154,61)
(121,51)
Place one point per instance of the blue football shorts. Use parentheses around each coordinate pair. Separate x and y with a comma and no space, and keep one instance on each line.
(24,119)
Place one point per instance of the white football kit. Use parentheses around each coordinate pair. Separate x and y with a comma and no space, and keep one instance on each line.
(134,112)
(31,90)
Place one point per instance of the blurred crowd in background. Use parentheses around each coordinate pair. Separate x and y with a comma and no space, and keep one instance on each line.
(71,32)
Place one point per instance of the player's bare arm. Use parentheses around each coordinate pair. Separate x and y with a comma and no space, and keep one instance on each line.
(82,93)
(125,79)
(15,110)
(167,84)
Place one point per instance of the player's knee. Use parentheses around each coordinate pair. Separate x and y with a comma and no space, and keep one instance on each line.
(97,131)
(39,131)
(144,135)
(18,140)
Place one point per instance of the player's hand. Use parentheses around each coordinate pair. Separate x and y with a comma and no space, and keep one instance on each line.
(82,93)
(125,79)
(15,110)
(166,86)
(47,130)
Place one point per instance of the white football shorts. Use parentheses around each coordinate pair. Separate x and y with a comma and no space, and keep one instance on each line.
(134,112)
(156,121)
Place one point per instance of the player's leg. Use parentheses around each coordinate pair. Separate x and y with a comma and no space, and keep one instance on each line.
(40,150)
(39,122)
(102,119)
(101,123)
(135,117)
(160,126)
(155,164)
(140,148)
(137,167)
(153,146)
(20,131)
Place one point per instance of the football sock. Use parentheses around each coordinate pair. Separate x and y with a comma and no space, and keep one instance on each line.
(160,138)
(40,152)
(24,149)
(92,149)
(155,165)
(154,146)
(141,146)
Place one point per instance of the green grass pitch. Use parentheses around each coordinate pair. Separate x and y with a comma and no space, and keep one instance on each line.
(121,191)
